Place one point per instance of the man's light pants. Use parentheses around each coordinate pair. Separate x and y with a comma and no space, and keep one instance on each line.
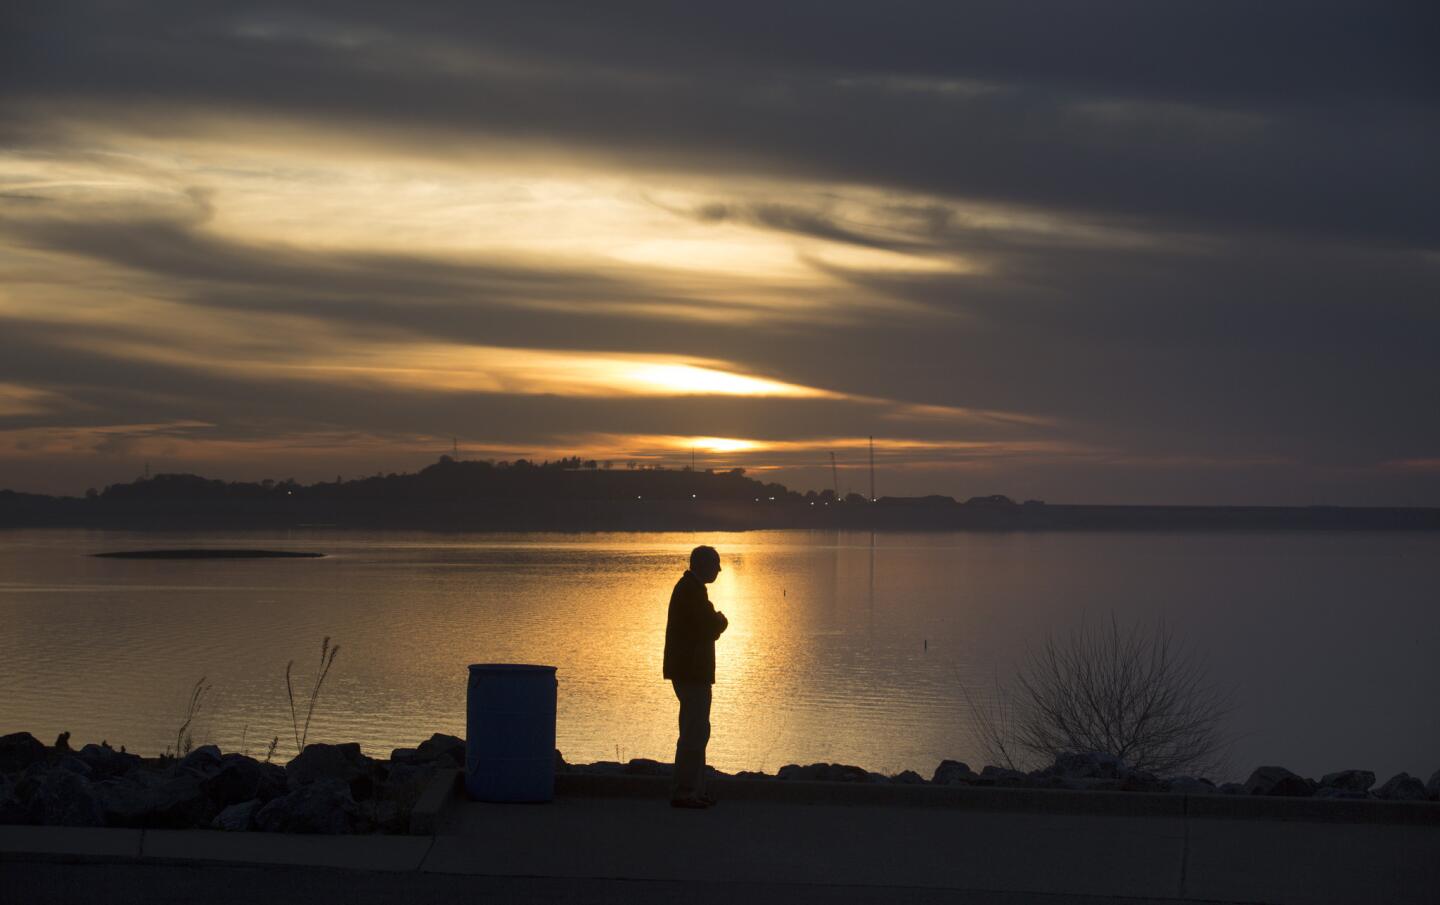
(689,777)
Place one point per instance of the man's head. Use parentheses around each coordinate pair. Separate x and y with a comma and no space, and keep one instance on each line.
(704,563)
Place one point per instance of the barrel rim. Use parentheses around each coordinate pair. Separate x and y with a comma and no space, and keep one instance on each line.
(510,667)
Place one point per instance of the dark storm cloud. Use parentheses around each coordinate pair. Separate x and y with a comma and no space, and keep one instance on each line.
(1303,117)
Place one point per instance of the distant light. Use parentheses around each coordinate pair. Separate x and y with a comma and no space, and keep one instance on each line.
(772,499)
(692,496)
(637,496)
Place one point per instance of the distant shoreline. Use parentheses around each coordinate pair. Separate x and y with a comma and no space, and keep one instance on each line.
(665,515)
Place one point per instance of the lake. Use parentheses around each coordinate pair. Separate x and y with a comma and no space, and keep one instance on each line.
(843,647)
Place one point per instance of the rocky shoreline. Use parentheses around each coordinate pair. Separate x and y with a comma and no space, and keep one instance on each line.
(336,789)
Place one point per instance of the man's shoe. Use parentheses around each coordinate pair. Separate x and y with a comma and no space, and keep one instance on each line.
(691,803)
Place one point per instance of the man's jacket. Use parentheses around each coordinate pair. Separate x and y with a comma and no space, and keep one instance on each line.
(690,633)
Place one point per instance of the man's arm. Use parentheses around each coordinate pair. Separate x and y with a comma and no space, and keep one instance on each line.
(718,623)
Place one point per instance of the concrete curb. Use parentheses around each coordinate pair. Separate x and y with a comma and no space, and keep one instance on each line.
(1014,800)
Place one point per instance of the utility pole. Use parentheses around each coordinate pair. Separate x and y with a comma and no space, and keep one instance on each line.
(872,469)
(834,476)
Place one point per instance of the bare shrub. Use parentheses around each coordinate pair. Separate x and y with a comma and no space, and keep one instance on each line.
(1131,692)
(327,658)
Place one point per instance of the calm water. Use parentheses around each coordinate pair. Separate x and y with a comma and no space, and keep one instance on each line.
(842,647)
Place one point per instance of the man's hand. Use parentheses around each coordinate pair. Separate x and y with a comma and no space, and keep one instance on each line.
(724,623)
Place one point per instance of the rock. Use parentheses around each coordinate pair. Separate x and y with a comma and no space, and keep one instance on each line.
(74,765)
(1402,787)
(440,747)
(19,750)
(66,799)
(406,756)
(106,763)
(823,773)
(240,779)
(237,817)
(203,759)
(1189,785)
(953,772)
(1140,781)
(992,775)
(560,765)
(1088,765)
(340,762)
(62,743)
(1333,792)
(390,817)
(405,783)
(12,810)
(643,766)
(1232,788)
(1432,788)
(752,774)
(1348,780)
(1277,781)
(323,805)
(908,778)
(156,801)
(607,767)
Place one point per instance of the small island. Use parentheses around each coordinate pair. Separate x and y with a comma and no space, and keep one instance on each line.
(200,553)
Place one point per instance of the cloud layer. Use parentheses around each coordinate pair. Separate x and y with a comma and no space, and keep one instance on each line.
(1118,252)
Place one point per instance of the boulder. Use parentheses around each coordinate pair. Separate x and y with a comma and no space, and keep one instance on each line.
(389,816)
(1140,781)
(203,759)
(752,774)
(12,810)
(1333,792)
(1348,780)
(75,765)
(1088,765)
(445,748)
(405,783)
(1402,787)
(908,778)
(823,773)
(156,801)
(66,799)
(105,762)
(344,763)
(644,766)
(237,817)
(953,772)
(1277,781)
(992,775)
(560,765)
(323,805)
(239,779)
(1190,785)
(62,744)
(19,750)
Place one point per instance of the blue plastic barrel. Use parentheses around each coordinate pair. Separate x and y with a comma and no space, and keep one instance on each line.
(510,732)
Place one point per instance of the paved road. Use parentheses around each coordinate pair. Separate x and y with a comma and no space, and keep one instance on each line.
(635,850)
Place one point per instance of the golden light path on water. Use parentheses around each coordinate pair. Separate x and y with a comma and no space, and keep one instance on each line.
(843,647)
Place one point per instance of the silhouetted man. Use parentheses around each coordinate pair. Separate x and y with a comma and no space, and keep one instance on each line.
(690,633)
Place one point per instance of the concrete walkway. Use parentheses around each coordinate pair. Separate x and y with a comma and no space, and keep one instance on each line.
(608,849)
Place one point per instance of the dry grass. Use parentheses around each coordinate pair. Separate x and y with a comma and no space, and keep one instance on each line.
(302,732)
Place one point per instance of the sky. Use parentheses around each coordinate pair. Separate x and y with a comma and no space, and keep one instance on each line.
(1108,252)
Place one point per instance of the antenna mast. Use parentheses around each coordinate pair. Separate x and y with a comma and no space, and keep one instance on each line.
(872,469)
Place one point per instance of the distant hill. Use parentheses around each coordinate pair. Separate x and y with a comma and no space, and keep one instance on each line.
(584,495)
